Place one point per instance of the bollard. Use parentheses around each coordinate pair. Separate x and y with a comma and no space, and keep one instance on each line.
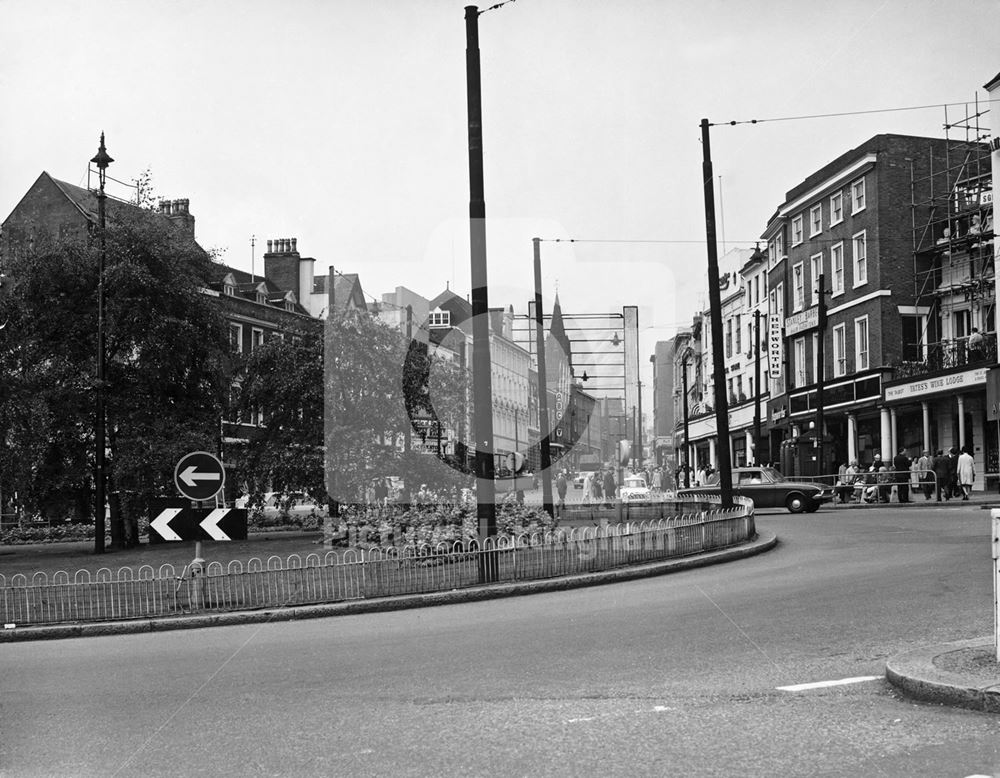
(197,578)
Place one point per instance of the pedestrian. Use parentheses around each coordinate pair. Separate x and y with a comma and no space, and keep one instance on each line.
(953,489)
(976,351)
(901,465)
(925,466)
(884,484)
(941,472)
(844,483)
(588,487)
(966,472)
(597,486)
(610,487)
(561,487)
(381,490)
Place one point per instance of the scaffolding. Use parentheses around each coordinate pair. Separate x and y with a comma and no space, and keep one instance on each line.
(953,268)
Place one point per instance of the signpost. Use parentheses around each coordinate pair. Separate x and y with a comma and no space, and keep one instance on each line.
(172,520)
(199,475)
(995,516)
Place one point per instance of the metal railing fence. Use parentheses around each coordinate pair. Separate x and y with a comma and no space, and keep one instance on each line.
(351,574)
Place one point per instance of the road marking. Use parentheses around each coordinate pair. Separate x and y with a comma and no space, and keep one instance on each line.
(660,708)
(801,687)
(585,718)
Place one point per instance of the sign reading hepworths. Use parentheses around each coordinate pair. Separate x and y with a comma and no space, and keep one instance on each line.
(774,345)
(199,475)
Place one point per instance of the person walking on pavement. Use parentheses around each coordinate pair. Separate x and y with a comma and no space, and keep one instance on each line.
(966,472)
(588,487)
(953,489)
(901,464)
(941,470)
(926,466)
(610,487)
(561,489)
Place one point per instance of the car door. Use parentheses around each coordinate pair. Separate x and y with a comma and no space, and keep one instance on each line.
(754,484)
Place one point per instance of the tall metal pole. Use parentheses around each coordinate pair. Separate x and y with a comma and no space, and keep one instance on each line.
(638,446)
(481,369)
(102,160)
(687,442)
(820,357)
(715,303)
(408,432)
(543,399)
(756,387)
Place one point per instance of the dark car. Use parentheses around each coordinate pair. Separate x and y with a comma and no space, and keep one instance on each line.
(769,489)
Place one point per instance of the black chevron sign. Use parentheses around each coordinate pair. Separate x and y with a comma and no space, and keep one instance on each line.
(170,521)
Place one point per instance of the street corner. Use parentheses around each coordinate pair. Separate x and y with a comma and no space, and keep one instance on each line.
(963,674)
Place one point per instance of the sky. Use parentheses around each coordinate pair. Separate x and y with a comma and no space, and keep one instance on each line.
(343,123)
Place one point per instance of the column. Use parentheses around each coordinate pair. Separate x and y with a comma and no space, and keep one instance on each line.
(895,432)
(751,452)
(711,451)
(961,422)
(852,437)
(886,435)
(926,408)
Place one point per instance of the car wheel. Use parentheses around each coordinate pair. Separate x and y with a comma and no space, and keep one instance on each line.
(795,503)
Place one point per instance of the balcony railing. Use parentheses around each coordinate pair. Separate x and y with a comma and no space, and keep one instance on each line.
(948,355)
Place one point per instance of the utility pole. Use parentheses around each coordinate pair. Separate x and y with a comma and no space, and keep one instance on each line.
(102,160)
(543,398)
(715,303)
(408,432)
(481,369)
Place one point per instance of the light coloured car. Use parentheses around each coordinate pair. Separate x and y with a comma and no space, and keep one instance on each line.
(634,489)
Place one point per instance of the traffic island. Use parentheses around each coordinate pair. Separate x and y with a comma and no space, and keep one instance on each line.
(964,674)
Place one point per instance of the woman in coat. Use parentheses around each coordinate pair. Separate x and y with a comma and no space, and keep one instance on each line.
(966,472)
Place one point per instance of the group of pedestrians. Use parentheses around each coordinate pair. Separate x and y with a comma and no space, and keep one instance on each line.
(948,475)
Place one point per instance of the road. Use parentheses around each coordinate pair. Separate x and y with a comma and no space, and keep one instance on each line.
(675,675)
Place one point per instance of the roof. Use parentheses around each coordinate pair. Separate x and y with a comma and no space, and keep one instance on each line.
(992,83)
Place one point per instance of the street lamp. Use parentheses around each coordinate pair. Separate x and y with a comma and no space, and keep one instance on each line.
(687,445)
(102,160)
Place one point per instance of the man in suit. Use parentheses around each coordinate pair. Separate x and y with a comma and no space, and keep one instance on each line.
(941,470)
(901,466)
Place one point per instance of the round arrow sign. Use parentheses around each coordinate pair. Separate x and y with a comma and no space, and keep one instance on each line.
(199,475)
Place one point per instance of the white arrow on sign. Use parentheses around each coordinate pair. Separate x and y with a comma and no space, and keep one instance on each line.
(191,476)
(211,524)
(162,523)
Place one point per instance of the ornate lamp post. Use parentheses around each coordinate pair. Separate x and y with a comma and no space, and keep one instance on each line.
(102,160)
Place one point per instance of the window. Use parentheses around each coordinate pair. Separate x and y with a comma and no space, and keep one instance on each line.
(861,344)
(858,196)
(440,319)
(801,378)
(913,337)
(797,230)
(815,355)
(739,335)
(815,220)
(815,271)
(837,268)
(236,338)
(256,339)
(839,351)
(798,286)
(779,245)
(860,259)
(729,338)
(779,300)
(836,208)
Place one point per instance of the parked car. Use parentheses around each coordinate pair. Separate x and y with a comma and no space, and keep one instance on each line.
(578,480)
(634,489)
(768,489)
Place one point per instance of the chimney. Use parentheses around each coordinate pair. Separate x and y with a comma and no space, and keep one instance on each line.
(281,267)
(178,213)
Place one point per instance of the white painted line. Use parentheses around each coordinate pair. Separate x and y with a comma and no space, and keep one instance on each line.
(801,687)
(660,708)
(585,718)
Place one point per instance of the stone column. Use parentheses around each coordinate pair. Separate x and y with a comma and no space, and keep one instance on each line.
(751,451)
(852,437)
(926,408)
(711,451)
(886,435)
(895,431)
(961,421)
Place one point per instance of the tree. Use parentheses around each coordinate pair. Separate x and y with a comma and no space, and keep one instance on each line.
(166,363)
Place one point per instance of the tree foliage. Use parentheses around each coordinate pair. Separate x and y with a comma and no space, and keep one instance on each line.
(166,351)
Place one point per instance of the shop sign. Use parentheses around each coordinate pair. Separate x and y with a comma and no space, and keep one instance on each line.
(775,345)
(804,320)
(945,383)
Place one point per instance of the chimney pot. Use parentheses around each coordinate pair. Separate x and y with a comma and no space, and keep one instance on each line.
(284,245)
(294,242)
(269,247)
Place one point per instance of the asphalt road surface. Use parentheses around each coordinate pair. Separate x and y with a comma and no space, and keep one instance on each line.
(676,675)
